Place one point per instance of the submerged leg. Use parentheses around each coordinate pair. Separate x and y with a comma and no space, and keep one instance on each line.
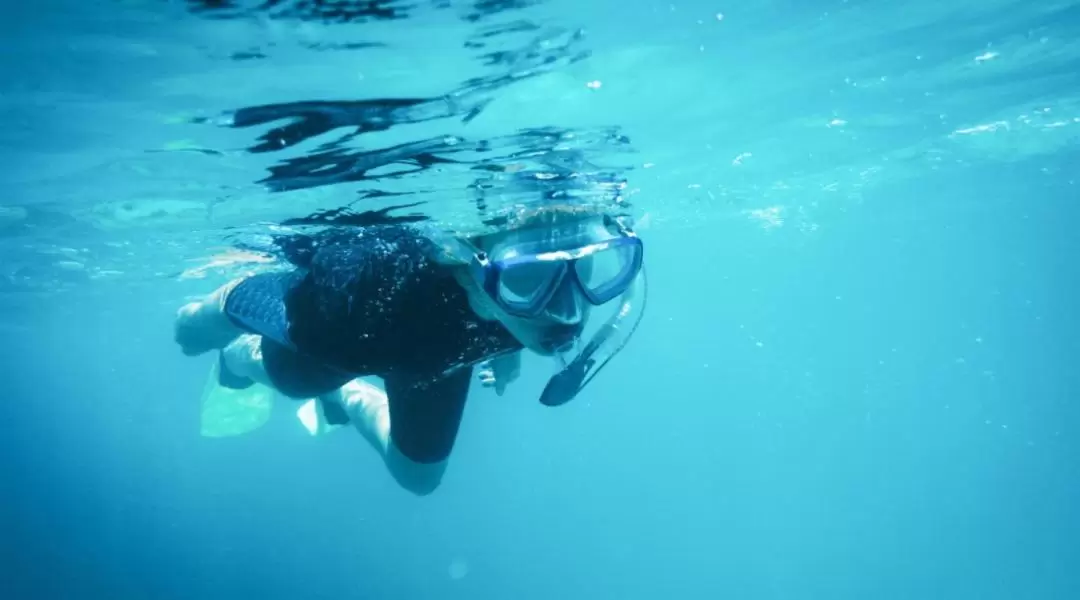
(243,358)
(426,417)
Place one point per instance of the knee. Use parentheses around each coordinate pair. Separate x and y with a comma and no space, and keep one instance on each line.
(189,330)
(202,326)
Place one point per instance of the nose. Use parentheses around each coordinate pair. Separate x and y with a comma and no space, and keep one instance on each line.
(567,305)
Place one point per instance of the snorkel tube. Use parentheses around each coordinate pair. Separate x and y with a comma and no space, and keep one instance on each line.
(612,337)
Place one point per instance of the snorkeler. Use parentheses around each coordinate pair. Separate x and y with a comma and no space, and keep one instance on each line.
(420,310)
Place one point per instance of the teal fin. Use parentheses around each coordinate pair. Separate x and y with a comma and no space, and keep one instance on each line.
(227,412)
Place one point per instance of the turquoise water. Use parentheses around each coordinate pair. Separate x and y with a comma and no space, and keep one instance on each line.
(854,379)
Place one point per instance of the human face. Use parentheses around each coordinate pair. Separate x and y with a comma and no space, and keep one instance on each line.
(542,282)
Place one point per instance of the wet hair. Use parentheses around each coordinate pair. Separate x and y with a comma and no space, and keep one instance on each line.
(553,215)
(556,218)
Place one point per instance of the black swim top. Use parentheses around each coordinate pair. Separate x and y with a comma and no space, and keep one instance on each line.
(371,301)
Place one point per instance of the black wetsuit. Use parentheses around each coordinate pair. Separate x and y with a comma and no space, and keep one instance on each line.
(372,302)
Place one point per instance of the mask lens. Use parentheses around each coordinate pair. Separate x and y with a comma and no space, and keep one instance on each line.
(527,285)
(608,273)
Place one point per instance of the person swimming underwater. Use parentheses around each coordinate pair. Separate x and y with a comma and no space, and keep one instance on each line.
(420,310)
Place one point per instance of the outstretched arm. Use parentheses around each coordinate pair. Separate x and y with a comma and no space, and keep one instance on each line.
(412,425)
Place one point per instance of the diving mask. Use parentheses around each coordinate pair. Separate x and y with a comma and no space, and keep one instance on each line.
(523,279)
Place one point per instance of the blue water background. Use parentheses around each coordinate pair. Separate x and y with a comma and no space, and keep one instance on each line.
(856,377)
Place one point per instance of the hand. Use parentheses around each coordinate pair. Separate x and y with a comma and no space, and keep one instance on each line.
(500,372)
(486,374)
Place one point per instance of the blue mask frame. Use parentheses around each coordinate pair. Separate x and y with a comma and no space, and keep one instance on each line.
(564,263)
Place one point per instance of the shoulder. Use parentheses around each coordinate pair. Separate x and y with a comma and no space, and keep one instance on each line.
(373,243)
(379,261)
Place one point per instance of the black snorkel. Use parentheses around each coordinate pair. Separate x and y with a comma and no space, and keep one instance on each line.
(612,337)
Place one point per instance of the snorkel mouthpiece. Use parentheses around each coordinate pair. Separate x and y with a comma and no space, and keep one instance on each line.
(565,385)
